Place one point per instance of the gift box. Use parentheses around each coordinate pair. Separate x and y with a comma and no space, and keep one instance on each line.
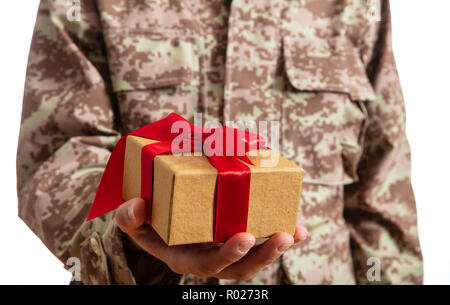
(184,194)
(183,191)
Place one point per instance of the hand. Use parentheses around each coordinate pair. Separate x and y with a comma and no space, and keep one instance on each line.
(238,258)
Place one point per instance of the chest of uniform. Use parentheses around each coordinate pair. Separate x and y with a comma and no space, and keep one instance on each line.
(293,62)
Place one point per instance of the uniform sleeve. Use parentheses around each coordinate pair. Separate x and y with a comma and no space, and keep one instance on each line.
(380,209)
(68,128)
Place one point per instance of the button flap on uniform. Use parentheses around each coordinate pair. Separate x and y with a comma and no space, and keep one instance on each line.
(326,65)
(140,61)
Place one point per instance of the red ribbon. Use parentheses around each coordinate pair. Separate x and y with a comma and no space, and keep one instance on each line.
(225,148)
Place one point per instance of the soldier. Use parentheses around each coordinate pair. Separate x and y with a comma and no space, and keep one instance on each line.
(324,69)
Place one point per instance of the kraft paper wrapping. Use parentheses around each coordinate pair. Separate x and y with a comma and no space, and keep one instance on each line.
(184,189)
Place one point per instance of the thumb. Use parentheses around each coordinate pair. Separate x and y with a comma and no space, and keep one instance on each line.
(131,215)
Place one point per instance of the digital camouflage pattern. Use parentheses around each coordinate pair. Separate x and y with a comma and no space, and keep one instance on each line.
(322,68)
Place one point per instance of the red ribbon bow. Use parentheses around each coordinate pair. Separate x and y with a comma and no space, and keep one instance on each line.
(225,148)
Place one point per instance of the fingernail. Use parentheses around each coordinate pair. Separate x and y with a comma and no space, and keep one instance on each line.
(131,213)
(304,235)
(245,246)
(284,247)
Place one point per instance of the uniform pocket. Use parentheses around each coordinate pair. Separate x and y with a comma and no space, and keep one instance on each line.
(323,115)
(329,65)
(140,61)
(153,74)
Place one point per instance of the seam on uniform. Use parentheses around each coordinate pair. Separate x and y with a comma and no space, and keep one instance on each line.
(366,123)
(328,183)
(159,81)
(227,93)
(163,32)
(203,77)
(284,93)
(277,54)
(199,43)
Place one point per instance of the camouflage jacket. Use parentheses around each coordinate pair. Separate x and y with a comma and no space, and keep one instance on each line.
(324,69)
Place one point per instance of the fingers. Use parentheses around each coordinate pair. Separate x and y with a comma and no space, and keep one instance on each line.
(235,259)
(300,234)
(131,215)
(209,262)
(195,259)
(263,255)
(130,218)
(258,258)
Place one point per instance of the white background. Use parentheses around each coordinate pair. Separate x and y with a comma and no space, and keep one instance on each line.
(422,50)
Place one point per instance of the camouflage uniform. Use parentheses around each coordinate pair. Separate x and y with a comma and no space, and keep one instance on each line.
(322,68)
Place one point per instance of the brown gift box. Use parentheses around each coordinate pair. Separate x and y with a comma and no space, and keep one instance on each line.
(184,194)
